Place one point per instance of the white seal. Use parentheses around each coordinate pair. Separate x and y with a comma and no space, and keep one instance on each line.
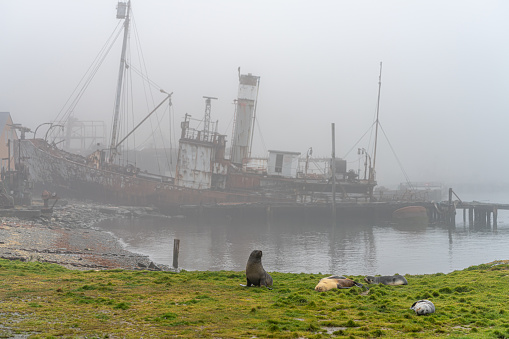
(423,307)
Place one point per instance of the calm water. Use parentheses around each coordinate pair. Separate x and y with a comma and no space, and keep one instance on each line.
(350,248)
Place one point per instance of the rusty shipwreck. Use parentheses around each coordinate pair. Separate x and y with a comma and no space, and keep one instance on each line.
(206,172)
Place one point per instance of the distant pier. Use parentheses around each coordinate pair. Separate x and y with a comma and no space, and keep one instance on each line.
(479,214)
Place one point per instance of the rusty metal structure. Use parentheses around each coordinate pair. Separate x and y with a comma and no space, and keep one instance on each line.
(245,114)
(81,136)
(75,176)
(15,185)
(6,200)
(203,172)
(201,163)
(203,175)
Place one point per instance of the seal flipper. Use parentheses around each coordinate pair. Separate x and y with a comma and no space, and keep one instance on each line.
(361,285)
(342,287)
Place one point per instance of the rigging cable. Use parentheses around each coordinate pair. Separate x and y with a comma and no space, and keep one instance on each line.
(395,155)
(143,68)
(151,137)
(132,115)
(170,162)
(89,74)
(159,120)
(353,147)
(148,92)
(261,136)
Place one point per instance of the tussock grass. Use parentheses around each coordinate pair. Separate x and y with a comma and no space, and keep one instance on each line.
(48,301)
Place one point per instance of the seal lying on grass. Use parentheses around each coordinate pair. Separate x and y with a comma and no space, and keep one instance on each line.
(423,307)
(392,280)
(255,274)
(332,282)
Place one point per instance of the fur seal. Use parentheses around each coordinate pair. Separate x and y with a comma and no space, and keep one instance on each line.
(392,280)
(423,307)
(332,282)
(255,274)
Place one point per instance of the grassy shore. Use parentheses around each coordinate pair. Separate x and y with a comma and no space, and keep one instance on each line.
(47,300)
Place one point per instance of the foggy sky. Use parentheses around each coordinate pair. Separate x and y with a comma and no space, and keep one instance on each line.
(444,104)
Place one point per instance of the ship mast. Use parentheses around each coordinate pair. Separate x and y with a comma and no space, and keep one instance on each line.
(372,172)
(123,10)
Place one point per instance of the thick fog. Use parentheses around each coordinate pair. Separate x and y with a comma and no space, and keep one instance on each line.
(444,104)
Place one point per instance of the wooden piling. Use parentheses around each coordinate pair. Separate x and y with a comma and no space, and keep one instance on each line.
(333,172)
(268,211)
(176,248)
(450,209)
(495,216)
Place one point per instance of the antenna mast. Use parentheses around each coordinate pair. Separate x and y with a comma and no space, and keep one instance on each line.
(372,172)
(206,120)
(123,10)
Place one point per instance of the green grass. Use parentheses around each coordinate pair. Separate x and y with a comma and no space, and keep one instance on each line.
(48,301)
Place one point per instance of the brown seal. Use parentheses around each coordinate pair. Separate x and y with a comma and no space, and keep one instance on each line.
(334,281)
(255,274)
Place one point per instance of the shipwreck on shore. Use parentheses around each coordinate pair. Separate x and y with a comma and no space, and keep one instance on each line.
(206,171)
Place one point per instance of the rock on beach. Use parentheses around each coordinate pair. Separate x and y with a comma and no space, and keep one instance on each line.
(67,237)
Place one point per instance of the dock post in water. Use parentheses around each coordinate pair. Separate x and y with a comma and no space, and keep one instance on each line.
(451,210)
(268,212)
(333,174)
(495,215)
(176,248)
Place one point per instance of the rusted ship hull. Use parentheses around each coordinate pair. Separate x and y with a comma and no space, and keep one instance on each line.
(69,176)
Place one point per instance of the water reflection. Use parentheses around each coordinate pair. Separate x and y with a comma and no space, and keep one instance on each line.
(350,248)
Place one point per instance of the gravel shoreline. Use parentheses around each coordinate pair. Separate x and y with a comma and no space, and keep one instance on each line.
(68,238)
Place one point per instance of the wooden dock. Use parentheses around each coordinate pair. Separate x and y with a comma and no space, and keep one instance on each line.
(309,211)
(479,214)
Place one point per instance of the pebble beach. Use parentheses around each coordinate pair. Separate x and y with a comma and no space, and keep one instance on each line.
(67,237)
